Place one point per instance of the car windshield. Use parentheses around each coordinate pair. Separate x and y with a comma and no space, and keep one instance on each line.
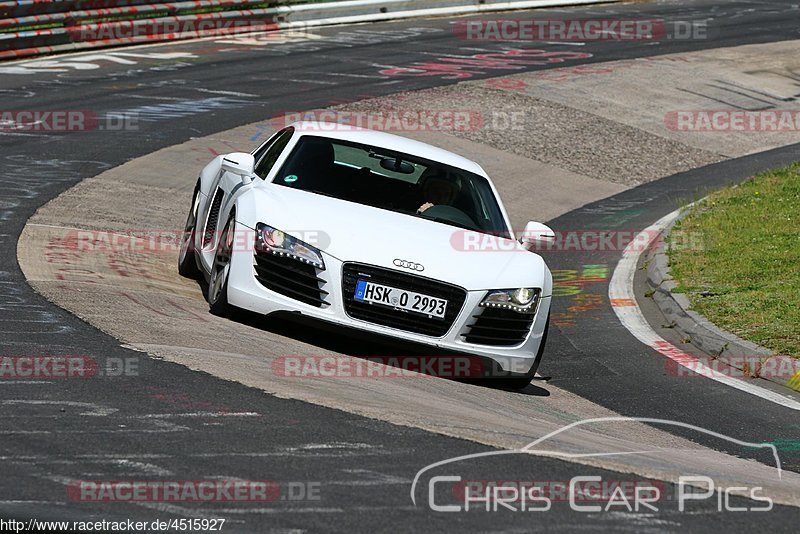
(394,181)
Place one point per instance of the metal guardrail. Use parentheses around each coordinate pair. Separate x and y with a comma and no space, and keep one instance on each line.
(36,27)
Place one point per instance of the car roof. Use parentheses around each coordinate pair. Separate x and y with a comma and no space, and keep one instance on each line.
(389,141)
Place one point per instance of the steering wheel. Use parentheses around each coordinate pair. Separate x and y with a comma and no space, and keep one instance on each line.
(450,214)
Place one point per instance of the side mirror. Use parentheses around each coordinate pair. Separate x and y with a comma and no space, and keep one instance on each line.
(537,235)
(239,163)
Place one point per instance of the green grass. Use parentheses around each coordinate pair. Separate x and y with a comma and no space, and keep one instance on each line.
(745,275)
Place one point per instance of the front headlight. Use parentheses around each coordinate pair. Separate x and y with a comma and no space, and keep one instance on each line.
(522,300)
(269,239)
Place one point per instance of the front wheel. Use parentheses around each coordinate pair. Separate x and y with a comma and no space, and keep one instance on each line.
(187,259)
(220,271)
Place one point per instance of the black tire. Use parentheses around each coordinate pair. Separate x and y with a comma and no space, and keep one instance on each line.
(218,282)
(187,258)
(522,381)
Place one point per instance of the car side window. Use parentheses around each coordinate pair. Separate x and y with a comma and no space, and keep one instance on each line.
(259,153)
(270,156)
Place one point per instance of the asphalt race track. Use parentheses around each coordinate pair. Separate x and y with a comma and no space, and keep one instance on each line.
(196,426)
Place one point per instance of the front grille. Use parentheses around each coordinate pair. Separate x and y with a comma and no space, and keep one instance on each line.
(213,218)
(499,327)
(396,318)
(290,277)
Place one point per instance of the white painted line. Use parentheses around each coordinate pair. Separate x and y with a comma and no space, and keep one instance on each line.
(246,511)
(293,454)
(142,467)
(297,80)
(5,382)
(350,75)
(47,503)
(334,445)
(90,408)
(196,414)
(19,134)
(169,508)
(151,97)
(623,299)
(226,93)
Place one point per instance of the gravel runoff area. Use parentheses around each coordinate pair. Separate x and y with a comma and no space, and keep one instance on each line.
(549,132)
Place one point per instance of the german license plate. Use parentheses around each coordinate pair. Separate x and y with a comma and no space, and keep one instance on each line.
(400,298)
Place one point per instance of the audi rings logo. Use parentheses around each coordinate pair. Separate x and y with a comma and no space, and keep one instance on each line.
(409,265)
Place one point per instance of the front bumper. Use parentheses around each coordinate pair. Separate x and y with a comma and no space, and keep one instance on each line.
(245,291)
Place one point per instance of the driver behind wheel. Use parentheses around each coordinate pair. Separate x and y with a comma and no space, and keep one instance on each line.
(438,189)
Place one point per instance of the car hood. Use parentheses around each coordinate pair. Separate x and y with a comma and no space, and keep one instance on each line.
(354,232)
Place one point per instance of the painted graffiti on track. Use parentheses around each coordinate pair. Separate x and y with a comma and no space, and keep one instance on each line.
(454,67)
(21,312)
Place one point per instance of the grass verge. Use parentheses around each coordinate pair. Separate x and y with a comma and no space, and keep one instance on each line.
(745,274)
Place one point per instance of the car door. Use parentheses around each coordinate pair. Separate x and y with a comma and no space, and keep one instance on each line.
(223,193)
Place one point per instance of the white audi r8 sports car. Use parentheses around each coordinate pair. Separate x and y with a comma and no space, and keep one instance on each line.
(374,232)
